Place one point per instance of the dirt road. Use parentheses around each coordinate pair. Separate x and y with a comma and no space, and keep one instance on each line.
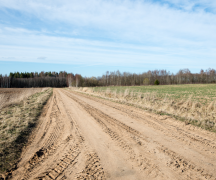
(83,137)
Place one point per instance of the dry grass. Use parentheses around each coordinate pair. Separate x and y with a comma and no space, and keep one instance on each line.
(16,123)
(15,95)
(194,104)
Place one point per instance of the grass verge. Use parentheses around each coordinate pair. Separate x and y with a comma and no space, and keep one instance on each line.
(16,124)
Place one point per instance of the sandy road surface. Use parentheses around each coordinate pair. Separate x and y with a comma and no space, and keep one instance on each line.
(82,137)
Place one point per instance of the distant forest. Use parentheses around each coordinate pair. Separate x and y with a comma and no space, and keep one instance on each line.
(115,78)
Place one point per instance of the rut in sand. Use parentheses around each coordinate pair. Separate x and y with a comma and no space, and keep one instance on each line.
(83,137)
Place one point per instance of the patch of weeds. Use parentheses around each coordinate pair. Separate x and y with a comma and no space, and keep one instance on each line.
(12,131)
(9,112)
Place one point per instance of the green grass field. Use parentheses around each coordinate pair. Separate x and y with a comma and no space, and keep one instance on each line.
(202,93)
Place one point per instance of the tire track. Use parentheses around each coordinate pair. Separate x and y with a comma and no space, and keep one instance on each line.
(103,119)
(62,164)
(71,148)
(110,126)
(75,132)
(51,135)
(163,126)
(93,169)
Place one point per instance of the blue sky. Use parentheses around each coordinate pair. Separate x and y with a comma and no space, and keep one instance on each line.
(92,36)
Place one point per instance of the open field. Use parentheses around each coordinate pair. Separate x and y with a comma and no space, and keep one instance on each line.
(9,96)
(84,137)
(18,116)
(202,93)
(195,104)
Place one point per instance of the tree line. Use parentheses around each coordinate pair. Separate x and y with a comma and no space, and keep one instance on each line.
(35,79)
(115,78)
(183,76)
(162,77)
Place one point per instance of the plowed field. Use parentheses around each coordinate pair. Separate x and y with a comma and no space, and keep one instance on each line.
(83,137)
(15,95)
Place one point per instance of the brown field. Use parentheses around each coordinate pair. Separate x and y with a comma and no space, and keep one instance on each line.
(83,137)
(15,95)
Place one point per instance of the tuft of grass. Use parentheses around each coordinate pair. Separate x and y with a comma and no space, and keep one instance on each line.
(16,124)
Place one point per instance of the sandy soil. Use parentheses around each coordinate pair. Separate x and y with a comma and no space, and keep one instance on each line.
(83,137)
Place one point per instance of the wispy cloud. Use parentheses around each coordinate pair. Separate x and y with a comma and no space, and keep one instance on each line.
(110,32)
(191,5)
(42,57)
(8,58)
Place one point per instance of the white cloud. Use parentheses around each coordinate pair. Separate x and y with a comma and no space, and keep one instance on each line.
(193,5)
(117,15)
(121,31)
(42,57)
(8,58)
(88,52)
